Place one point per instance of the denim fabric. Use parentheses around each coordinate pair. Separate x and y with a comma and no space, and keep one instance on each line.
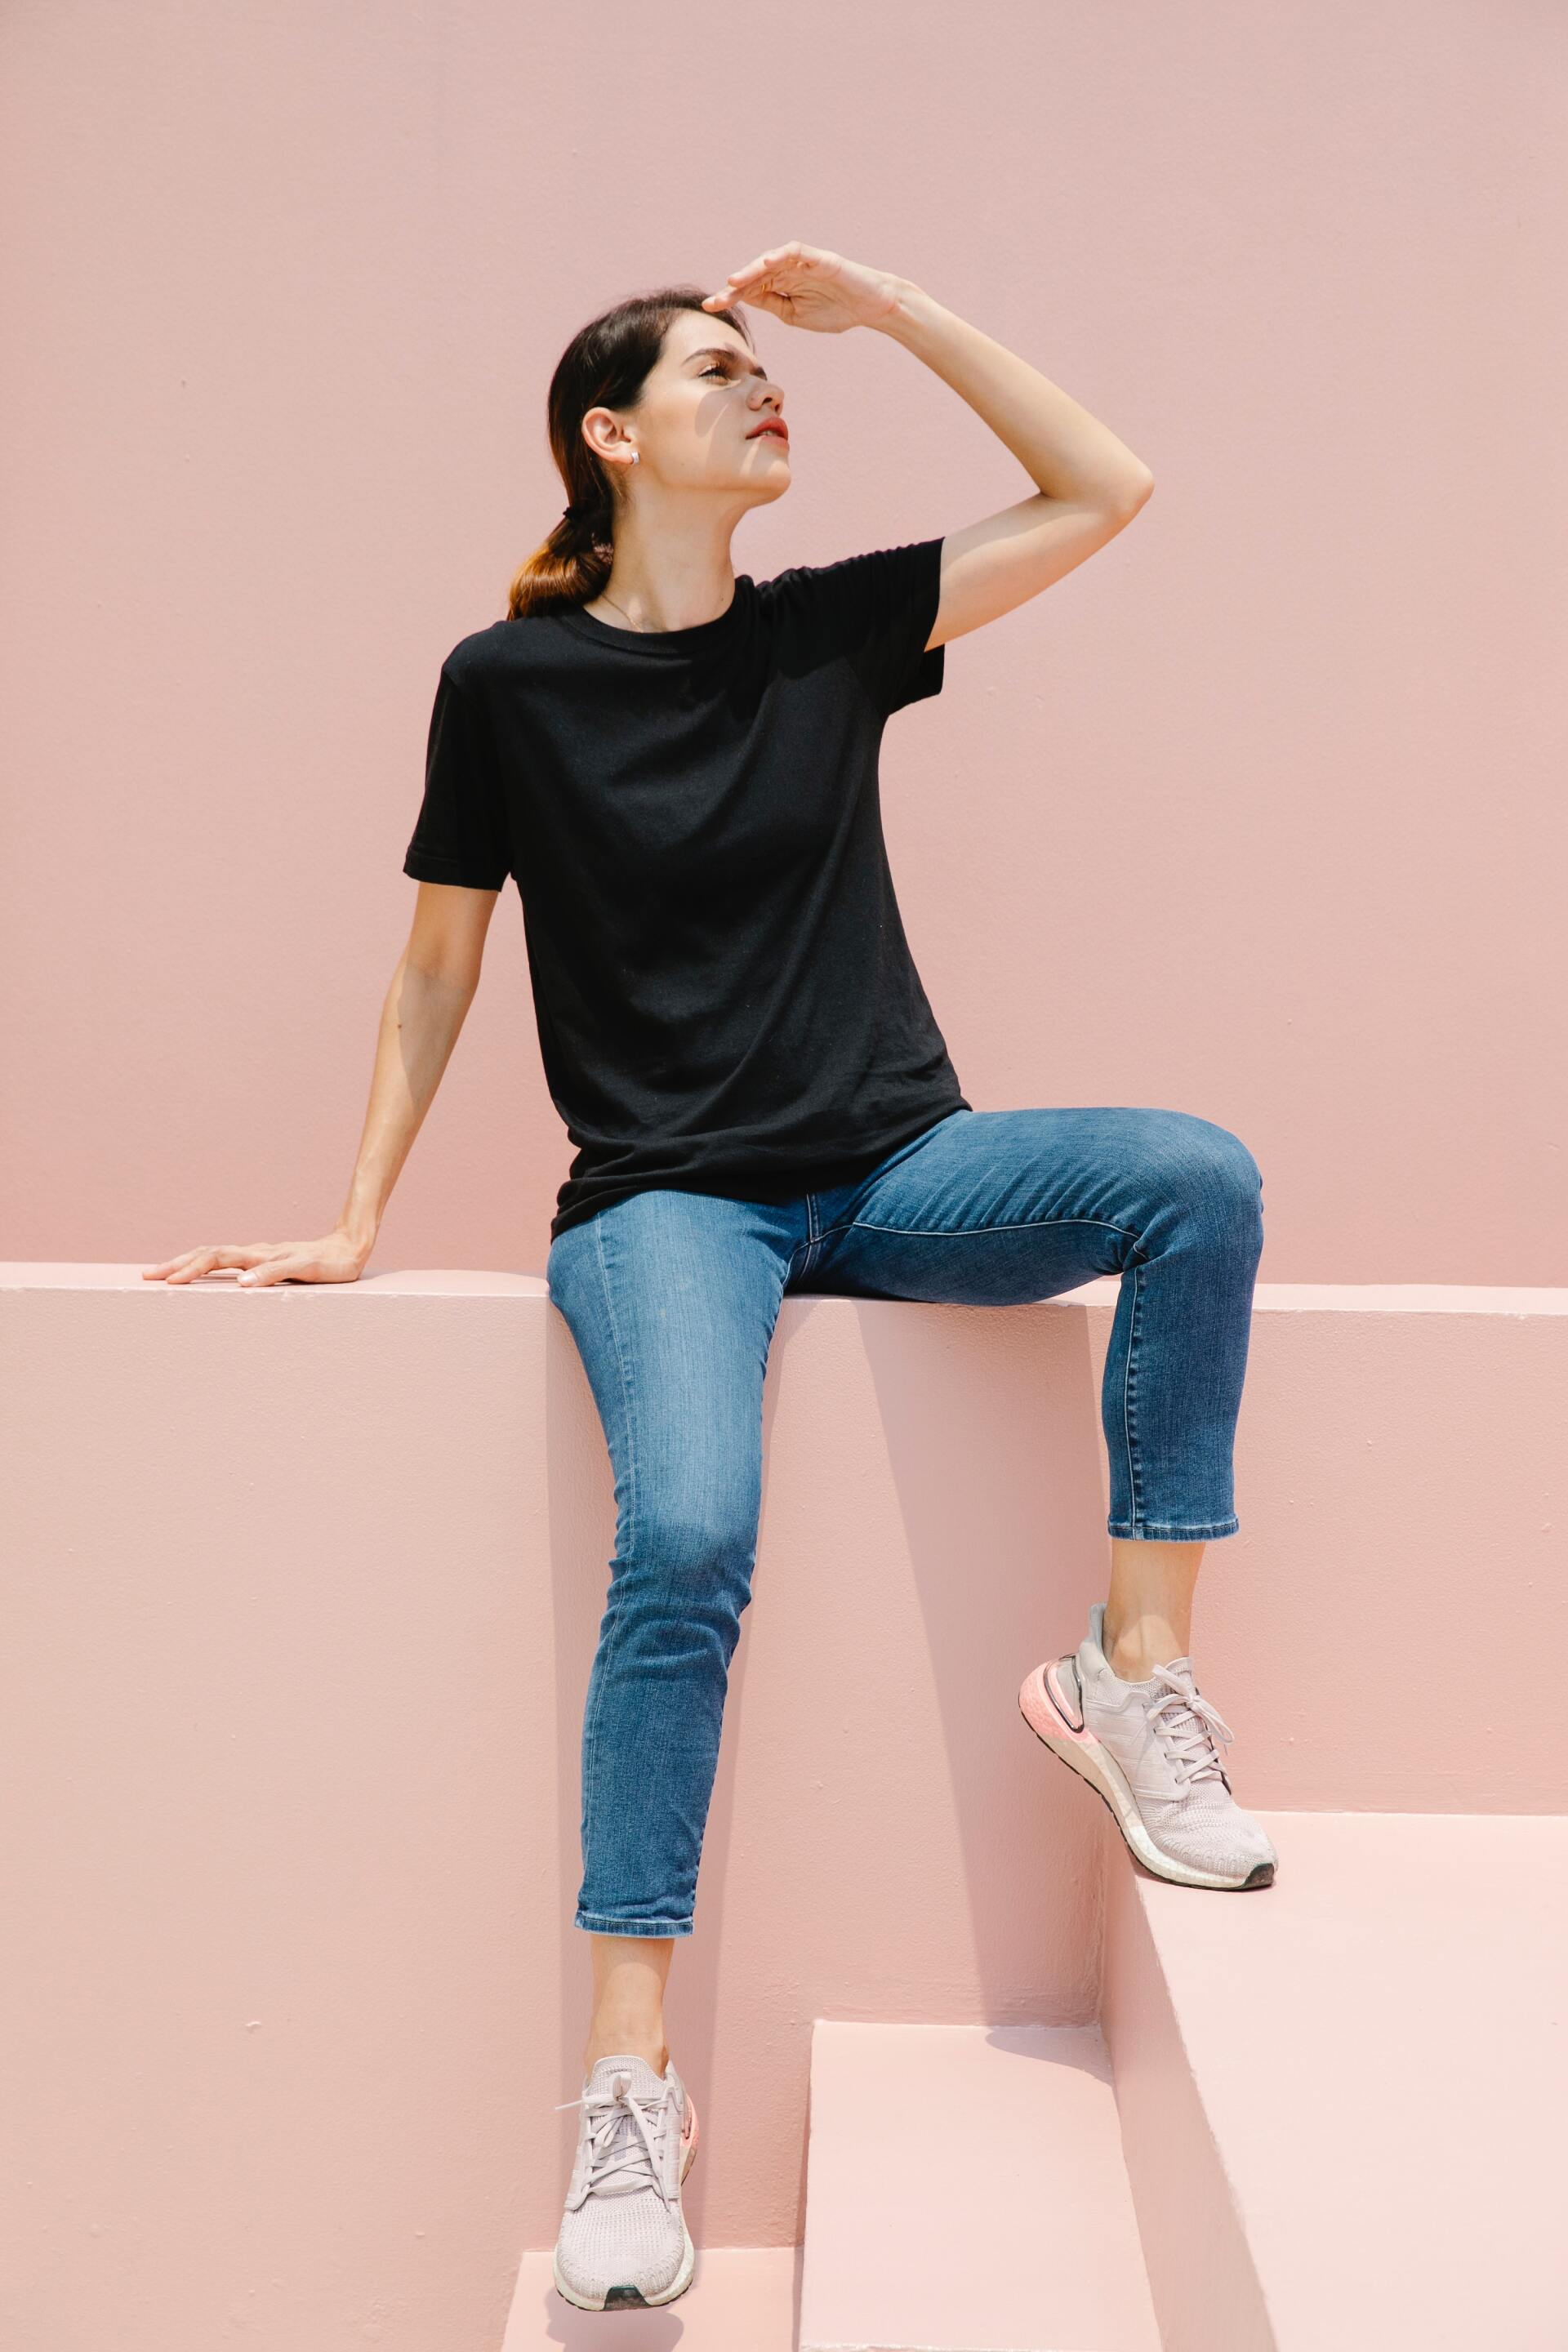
(672,1296)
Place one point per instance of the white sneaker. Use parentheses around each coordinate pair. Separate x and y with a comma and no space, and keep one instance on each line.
(623,2243)
(1148,1747)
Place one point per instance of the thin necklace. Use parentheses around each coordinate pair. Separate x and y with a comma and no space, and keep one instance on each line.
(621,608)
(650,632)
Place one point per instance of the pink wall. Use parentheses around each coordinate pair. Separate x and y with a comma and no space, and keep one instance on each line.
(1259,814)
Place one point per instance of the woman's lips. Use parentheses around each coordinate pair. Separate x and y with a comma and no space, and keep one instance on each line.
(780,432)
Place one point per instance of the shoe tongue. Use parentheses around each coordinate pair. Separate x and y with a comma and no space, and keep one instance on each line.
(643,2082)
(1186,1719)
(1178,1711)
(624,2167)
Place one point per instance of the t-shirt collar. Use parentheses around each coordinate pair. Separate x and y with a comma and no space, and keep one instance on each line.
(663,643)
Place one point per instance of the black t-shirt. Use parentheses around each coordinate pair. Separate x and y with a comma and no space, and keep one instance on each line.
(725,997)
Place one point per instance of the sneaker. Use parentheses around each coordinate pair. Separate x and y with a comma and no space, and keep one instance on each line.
(1148,1749)
(623,2243)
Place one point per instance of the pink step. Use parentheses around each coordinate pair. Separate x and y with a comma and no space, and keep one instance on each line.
(966,2189)
(1342,2096)
(301,1593)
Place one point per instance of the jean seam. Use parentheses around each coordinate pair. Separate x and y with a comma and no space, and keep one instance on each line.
(972,1232)
(1129,1396)
(612,1926)
(627,1394)
(1173,1530)
(592,1760)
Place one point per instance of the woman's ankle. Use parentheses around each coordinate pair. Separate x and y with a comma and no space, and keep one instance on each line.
(626,2011)
(604,2041)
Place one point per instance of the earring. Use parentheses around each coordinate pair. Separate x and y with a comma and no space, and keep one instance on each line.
(637,457)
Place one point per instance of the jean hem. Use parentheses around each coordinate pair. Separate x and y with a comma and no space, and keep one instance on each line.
(599,1923)
(1168,1531)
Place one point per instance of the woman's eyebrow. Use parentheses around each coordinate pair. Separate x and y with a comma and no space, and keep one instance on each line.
(724,351)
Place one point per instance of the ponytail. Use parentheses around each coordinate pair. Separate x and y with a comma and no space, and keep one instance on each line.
(572,564)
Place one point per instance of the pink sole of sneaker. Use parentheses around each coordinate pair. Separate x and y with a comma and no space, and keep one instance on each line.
(1044,1707)
(630,2298)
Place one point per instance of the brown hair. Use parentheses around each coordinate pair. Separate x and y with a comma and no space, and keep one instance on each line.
(605,365)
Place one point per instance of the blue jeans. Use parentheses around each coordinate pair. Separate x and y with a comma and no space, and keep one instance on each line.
(671,1297)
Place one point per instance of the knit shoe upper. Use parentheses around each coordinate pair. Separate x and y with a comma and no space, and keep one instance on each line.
(623,2239)
(1162,1733)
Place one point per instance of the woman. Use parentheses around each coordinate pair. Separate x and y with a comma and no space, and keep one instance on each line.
(679,766)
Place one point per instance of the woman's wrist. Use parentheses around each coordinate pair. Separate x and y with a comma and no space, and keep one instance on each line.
(913,310)
(359,1236)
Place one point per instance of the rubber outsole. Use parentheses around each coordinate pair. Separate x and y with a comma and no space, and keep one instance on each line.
(1176,1874)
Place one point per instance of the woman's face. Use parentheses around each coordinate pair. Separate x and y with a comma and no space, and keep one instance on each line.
(709,417)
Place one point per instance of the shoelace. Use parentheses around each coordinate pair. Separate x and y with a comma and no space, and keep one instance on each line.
(614,2150)
(1189,1729)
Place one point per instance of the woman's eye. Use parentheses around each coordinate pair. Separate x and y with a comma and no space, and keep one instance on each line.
(716,370)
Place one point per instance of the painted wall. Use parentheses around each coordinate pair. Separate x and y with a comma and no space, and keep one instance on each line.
(1258,813)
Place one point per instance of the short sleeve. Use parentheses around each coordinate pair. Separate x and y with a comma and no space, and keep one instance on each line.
(460,834)
(877,609)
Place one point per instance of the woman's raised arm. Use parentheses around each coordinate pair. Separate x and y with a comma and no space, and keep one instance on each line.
(1090,485)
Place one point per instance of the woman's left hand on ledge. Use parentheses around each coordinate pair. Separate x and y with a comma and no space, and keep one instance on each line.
(334,1257)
